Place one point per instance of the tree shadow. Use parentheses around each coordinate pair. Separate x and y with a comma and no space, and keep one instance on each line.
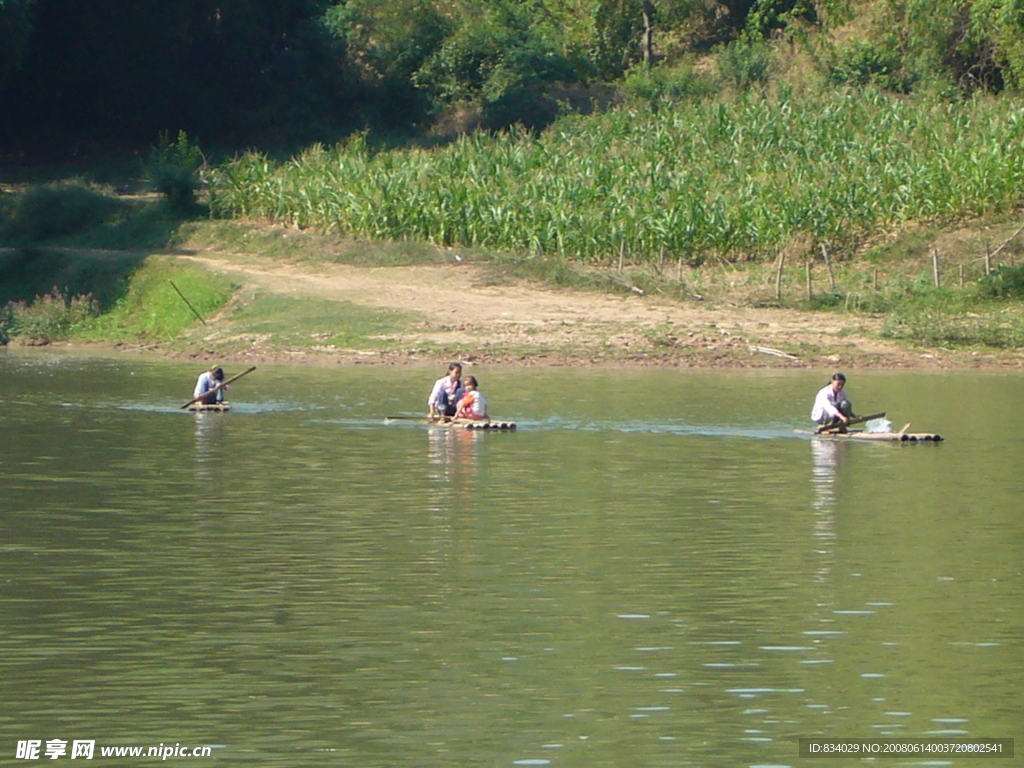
(77,238)
(29,272)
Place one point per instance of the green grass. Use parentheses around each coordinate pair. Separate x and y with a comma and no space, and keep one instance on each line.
(147,226)
(320,323)
(151,310)
(307,246)
(933,324)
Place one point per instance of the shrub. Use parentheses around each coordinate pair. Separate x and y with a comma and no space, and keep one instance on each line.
(172,169)
(868,63)
(1004,282)
(931,325)
(51,317)
(666,85)
(55,210)
(745,63)
(499,60)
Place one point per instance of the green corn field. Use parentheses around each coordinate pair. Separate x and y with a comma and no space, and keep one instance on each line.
(710,179)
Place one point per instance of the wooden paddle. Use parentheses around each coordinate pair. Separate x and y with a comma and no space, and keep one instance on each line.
(838,427)
(218,387)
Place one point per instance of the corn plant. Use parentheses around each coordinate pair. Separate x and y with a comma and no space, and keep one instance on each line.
(728,180)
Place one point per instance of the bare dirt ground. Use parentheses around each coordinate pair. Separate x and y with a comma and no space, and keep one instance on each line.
(523,323)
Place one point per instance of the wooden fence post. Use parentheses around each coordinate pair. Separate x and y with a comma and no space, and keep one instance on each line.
(828,263)
(810,291)
(988,259)
(935,266)
(778,277)
(961,276)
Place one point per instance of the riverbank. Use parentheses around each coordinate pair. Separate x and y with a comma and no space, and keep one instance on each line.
(297,310)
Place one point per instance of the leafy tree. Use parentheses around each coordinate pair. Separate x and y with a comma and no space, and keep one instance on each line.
(493,55)
(109,68)
(386,43)
(388,40)
(15,28)
(965,44)
(766,16)
(997,32)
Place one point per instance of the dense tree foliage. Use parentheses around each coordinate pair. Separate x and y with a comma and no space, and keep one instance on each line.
(285,72)
(115,70)
(15,26)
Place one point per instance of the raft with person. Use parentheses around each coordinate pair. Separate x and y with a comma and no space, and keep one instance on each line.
(209,396)
(833,413)
(842,432)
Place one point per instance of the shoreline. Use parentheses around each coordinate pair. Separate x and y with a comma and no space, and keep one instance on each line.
(732,359)
(285,311)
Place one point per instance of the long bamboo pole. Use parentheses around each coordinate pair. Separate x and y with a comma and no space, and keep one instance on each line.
(194,311)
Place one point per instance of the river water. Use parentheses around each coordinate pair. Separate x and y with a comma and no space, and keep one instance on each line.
(654,570)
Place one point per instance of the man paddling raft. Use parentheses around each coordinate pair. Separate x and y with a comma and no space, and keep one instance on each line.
(832,406)
(209,390)
(207,383)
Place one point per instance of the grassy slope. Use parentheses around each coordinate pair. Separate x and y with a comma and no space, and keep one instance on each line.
(111,259)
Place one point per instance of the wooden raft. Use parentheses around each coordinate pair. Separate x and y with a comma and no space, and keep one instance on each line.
(447,423)
(508,426)
(214,407)
(903,436)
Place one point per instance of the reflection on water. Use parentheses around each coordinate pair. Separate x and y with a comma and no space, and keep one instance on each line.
(209,430)
(453,455)
(618,583)
(825,457)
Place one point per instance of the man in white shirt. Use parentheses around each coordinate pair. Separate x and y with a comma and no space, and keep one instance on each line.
(832,406)
(208,381)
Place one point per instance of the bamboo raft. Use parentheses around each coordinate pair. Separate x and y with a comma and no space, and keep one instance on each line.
(508,426)
(903,436)
(211,407)
(490,424)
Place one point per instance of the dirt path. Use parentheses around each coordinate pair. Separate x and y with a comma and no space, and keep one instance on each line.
(527,323)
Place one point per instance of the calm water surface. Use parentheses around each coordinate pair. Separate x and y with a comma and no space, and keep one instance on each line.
(654,570)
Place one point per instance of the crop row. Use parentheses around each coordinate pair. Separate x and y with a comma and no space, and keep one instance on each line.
(736,179)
